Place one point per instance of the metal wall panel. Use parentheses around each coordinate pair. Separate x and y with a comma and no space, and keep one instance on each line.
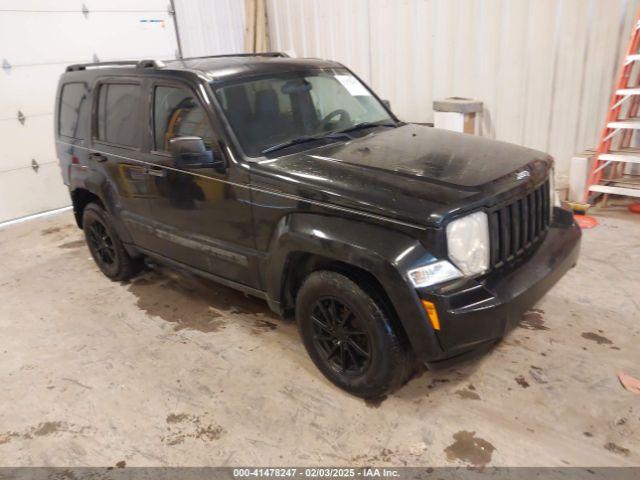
(543,68)
(332,29)
(210,27)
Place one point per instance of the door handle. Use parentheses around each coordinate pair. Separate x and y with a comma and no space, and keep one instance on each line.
(98,157)
(157,172)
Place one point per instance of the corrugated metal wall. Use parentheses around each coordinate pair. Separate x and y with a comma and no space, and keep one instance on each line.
(210,27)
(543,68)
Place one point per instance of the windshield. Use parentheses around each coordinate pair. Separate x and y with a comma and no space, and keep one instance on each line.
(273,111)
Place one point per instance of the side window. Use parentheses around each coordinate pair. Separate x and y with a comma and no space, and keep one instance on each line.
(119,114)
(73,100)
(176,113)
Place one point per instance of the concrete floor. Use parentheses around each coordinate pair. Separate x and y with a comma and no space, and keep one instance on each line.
(169,370)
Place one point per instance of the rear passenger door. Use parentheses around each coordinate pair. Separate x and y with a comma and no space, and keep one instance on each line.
(117,149)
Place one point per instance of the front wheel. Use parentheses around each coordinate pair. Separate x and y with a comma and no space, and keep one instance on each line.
(349,336)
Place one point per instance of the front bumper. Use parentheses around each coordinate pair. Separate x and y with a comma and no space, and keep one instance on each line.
(480,311)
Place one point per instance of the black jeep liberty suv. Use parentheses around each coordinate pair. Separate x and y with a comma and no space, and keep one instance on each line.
(289,179)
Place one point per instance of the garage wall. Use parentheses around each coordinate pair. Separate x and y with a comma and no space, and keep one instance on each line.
(210,27)
(543,68)
(38,39)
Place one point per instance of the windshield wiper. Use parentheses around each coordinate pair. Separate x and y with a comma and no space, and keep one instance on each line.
(361,125)
(336,134)
(304,139)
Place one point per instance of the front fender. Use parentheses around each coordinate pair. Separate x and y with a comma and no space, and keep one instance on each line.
(382,252)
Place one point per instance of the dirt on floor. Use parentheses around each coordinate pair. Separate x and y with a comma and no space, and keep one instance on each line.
(174,370)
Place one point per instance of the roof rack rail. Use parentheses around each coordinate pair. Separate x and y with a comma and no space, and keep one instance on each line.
(146,63)
(150,63)
(262,54)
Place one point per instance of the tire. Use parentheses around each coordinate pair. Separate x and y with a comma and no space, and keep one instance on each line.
(105,245)
(360,326)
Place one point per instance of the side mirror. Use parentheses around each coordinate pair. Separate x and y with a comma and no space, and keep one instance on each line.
(191,152)
(387,104)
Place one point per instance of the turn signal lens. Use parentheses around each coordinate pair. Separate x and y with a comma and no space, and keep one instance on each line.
(433,273)
(432,313)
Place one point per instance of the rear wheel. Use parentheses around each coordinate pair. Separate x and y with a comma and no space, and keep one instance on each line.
(105,245)
(349,336)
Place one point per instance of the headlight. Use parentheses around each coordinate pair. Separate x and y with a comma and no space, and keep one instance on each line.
(433,273)
(468,243)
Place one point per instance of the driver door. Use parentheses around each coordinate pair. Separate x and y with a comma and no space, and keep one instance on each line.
(202,215)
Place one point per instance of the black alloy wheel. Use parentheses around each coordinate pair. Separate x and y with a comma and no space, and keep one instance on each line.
(353,339)
(101,243)
(345,345)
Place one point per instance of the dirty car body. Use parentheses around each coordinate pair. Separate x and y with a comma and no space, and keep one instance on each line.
(303,170)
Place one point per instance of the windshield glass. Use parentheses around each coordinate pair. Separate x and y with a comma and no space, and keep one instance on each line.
(270,111)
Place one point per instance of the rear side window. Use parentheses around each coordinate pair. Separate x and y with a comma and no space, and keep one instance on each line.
(119,114)
(73,101)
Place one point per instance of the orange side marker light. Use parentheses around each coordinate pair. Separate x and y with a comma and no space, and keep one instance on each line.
(432,313)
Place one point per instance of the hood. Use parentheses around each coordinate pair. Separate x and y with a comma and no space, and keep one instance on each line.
(414,173)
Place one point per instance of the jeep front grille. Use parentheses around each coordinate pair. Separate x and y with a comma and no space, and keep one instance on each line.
(516,227)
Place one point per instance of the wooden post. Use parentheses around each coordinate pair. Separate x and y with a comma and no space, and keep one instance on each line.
(256,34)
(250,26)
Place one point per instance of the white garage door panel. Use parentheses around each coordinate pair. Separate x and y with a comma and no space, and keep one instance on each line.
(45,6)
(29,89)
(21,143)
(23,192)
(72,38)
(39,38)
(126,35)
(43,38)
(129,5)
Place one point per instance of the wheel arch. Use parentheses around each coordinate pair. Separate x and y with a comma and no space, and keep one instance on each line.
(371,255)
(80,198)
(300,264)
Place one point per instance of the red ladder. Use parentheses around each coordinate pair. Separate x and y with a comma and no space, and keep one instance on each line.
(607,173)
